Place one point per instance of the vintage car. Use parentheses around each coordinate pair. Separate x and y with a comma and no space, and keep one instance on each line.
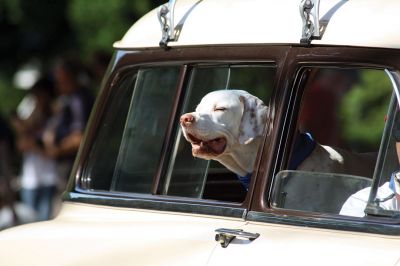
(329,70)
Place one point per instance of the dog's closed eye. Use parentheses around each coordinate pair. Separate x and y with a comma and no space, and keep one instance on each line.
(219,109)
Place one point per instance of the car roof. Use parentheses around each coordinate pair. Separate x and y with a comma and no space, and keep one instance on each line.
(370,23)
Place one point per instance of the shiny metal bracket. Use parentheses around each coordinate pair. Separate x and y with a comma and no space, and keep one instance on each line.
(309,12)
(166,19)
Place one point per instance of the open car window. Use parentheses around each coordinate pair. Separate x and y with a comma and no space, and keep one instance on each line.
(194,177)
(342,143)
(140,147)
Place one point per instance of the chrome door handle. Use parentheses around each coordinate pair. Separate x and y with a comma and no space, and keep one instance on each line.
(224,236)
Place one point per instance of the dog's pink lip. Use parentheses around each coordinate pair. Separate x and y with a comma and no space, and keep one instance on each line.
(214,146)
(193,139)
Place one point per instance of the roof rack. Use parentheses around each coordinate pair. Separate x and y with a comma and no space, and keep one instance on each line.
(309,12)
(166,17)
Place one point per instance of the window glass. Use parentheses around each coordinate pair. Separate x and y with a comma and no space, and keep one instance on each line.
(336,140)
(145,129)
(131,149)
(187,177)
(103,155)
(193,177)
(384,194)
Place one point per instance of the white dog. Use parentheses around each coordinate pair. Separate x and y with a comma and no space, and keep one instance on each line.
(228,125)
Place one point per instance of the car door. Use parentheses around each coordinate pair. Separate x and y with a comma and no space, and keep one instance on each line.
(137,158)
(347,104)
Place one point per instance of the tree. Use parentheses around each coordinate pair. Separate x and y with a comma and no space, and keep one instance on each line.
(40,30)
(364,108)
(98,24)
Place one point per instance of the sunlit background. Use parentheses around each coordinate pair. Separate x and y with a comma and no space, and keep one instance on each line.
(34,34)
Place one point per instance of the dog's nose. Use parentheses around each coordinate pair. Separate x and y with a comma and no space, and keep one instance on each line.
(187,119)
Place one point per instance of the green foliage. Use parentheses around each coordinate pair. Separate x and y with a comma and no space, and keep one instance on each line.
(364,108)
(44,29)
(14,12)
(99,24)
(9,97)
(34,29)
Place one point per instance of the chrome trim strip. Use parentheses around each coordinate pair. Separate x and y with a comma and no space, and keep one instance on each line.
(365,226)
(158,205)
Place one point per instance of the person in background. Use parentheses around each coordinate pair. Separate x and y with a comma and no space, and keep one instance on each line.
(38,177)
(71,110)
(8,213)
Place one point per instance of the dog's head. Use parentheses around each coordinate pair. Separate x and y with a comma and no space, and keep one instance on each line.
(224,120)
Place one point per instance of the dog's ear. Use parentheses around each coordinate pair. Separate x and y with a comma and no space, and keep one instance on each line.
(254,118)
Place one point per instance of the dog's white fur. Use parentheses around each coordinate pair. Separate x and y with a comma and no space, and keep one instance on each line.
(329,159)
(235,117)
(228,125)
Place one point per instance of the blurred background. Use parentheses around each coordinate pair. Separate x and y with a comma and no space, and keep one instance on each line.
(34,32)
(53,55)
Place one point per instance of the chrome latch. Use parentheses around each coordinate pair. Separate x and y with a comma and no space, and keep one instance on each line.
(225,236)
(309,12)
(166,19)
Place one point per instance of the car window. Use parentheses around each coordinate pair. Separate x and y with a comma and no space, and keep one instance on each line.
(193,177)
(383,195)
(129,139)
(186,176)
(145,129)
(105,149)
(335,142)
(133,152)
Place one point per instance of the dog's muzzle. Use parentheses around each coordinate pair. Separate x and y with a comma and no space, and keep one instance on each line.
(201,147)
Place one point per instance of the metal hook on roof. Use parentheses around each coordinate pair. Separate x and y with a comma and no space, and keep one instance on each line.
(166,18)
(309,12)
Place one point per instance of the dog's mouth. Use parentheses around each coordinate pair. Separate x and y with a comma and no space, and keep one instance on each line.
(207,147)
